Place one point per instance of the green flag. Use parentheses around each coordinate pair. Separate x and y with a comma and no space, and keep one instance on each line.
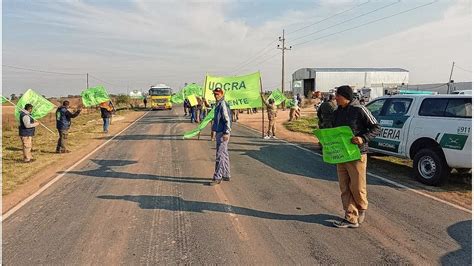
(94,96)
(337,145)
(240,92)
(289,103)
(192,89)
(201,126)
(278,96)
(177,98)
(4,100)
(41,106)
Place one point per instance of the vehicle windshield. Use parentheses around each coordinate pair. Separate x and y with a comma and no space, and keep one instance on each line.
(160,92)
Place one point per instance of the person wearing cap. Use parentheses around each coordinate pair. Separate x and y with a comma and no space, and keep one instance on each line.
(325,112)
(106,110)
(63,124)
(272,114)
(27,130)
(222,126)
(352,175)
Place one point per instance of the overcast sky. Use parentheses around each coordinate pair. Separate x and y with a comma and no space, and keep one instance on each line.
(127,45)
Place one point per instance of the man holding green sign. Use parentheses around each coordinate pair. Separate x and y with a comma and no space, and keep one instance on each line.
(352,174)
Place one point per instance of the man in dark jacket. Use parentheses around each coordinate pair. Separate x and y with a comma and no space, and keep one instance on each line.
(63,123)
(325,112)
(106,110)
(27,131)
(352,175)
(222,126)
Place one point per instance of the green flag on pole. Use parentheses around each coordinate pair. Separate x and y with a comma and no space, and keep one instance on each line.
(201,126)
(94,96)
(337,145)
(240,92)
(289,103)
(278,96)
(177,98)
(192,89)
(41,106)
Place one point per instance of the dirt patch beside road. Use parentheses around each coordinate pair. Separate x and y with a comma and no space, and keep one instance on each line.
(21,180)
(255,121)
(456,190)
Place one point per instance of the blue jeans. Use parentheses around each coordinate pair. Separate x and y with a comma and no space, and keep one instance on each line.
(222,167)
(193,115)
(106,123)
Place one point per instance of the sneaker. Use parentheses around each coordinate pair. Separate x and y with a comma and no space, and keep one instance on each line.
(345,224)
(274,137)
(361,216)
(226,178)
(215,182)
(266,137)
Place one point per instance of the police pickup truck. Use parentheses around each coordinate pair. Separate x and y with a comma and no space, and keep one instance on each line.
(432,130)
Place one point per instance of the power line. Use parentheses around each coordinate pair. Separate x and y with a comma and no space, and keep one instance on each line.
(264,51)
(268,58)
(317,22)
(347,20)
(96,78)
(254,57)
(251,61)
(44,71)
(367,23)
(467,70)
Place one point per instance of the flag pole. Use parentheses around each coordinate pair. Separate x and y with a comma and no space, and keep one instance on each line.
(263,110)
(21,109)
(204,95)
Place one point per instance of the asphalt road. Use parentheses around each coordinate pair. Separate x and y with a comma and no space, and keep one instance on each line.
(144,199)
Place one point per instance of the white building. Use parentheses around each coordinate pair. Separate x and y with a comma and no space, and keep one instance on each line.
(308,80)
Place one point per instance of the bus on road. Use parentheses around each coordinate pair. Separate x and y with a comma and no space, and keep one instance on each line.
(160,97)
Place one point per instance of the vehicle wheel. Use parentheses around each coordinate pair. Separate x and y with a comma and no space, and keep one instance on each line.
(430,167)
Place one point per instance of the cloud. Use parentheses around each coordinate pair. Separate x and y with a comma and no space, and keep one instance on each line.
(427,50)
(146,42)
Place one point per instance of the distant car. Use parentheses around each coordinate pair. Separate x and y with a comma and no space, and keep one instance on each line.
(466,92)
(432,130)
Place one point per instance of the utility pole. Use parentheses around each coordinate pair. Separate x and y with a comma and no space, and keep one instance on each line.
(282,47)
(450,76)
(87,80)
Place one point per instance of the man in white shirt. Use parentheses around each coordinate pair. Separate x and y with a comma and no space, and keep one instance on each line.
(27,131)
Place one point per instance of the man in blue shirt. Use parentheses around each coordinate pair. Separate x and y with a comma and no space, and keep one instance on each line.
(63,123)
(222,126)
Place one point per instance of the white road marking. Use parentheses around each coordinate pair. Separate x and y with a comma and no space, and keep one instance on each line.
(376,176)
(234,220)
(25,201)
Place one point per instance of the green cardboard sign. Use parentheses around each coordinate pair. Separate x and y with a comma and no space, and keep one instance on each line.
(337,145)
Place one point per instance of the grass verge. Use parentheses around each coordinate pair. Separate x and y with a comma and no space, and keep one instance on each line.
(14,172)
(303,124)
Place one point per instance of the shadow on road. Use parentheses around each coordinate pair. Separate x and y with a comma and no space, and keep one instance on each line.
(105,171)
(173,203)
(288,159)
(462,233)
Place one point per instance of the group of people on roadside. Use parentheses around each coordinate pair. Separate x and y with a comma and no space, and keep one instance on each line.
(28,124)
(197,112)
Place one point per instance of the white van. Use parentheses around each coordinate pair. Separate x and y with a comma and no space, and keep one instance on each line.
(433,130)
